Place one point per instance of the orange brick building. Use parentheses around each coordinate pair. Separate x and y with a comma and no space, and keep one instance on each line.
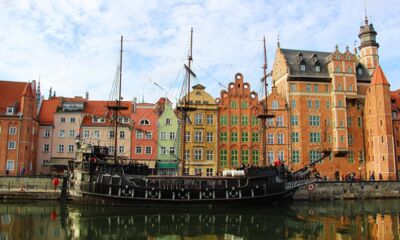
(18,127)
(333,104)
(239,138)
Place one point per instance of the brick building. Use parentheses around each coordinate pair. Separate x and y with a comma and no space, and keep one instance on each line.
(18,127)
(333,104)
(239,138)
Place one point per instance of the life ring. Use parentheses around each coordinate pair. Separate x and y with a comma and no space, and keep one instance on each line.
(207,194)
(311,187)
(126,191)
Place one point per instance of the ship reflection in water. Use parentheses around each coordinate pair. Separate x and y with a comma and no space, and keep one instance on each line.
(372,219)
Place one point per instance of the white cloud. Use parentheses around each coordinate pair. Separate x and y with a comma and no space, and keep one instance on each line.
(74,45)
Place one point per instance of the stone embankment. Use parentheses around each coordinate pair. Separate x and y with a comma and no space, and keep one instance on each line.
(323,190)
(28,188)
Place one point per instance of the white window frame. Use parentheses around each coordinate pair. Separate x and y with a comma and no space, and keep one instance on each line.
(12,145)
(60,148)
(138,150)
(148,147)
(10,165)
(46,148)
(71,133)
(96,134)
(86,134)
(122,134)
(61,133)
(70,148)
(12,130)
(46,133)
(121,149)
(72,120)
(139,134)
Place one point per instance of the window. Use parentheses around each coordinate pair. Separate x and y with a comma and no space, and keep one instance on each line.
(317,68)
(294,120)
(317,104)
(309,104)
(293,103)
(168,121)
(234,157)
(359,71)
(337,69)
(149,135)
(121,149)
(340,103)
(46,148)
(12,130)
(111,134)
(302,67)
(111,149)
(339,87)
(12,145)
(45,162)
(139,134)
(270,156)
(234,136)
(314,155)
(163,150)
(295,156)
(359,121)
(148,150)
(223,136)
(198,136)
(316,88)
(308,88)
(314,121)
(144,122)
(245,156)
(61,133)
(62,119)
(187,136)
(122,134)
(46,133)
(187,154)
(86,134)
(233,104)
(210,119)
(10,110)
(255,120)
(328,104)
(275,104)
(293,87)
(255,156)
(172,135)
(281,156)
(245,137)
(209,155)
(315,137)
(349,70)
(70,148)
(361,156)
(244,105)
(60,148)
(72,120)
(96,134)
(210,137)
(350,139)
(234,120)
(71,133)
(351,157)
(10,165)
(198,154)
(255,137)
(270,138)
(351,87)
(223,157)
(279,121)
(394,114)
(172,151)
(280,138)
(198,119)
(349,121)
(138,149)
(223,120)
(244,120)
(295,137)
(270,121)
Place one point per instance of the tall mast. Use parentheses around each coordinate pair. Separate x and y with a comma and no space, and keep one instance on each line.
(265,108)
(118,102)
(186,103)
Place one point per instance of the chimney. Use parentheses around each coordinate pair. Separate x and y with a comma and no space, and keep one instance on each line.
(134,105)
(50,92)
(87,95)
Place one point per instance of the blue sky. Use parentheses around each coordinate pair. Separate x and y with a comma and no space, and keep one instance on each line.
(73,46)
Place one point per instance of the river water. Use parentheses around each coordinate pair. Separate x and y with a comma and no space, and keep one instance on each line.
(367,219)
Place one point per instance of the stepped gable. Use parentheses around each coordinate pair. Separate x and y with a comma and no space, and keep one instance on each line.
(379,77)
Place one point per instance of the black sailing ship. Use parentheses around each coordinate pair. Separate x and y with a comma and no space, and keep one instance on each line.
(99,178)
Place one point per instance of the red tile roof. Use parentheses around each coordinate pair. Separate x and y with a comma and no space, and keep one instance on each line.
(99,109)
(379,77)
(11,93)
(47,110)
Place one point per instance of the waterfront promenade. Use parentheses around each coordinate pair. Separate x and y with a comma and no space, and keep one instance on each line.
(28,188)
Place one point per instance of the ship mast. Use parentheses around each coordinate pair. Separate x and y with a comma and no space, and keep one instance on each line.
(185,109)
(117,107)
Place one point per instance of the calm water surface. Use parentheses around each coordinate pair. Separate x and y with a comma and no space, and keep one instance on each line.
(372,219)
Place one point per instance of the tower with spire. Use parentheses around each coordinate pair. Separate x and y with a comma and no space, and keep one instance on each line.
(379,128)
(368,46)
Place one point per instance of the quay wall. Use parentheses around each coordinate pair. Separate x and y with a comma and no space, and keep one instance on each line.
(324,190)
(28,188)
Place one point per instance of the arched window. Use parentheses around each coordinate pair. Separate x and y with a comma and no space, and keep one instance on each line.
(144,122)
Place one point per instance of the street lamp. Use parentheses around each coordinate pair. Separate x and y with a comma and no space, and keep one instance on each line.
(359,169)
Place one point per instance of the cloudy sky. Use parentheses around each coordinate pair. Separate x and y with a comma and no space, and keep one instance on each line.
(73,46)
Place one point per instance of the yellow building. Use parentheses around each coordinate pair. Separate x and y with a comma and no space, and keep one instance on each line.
(201,133)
